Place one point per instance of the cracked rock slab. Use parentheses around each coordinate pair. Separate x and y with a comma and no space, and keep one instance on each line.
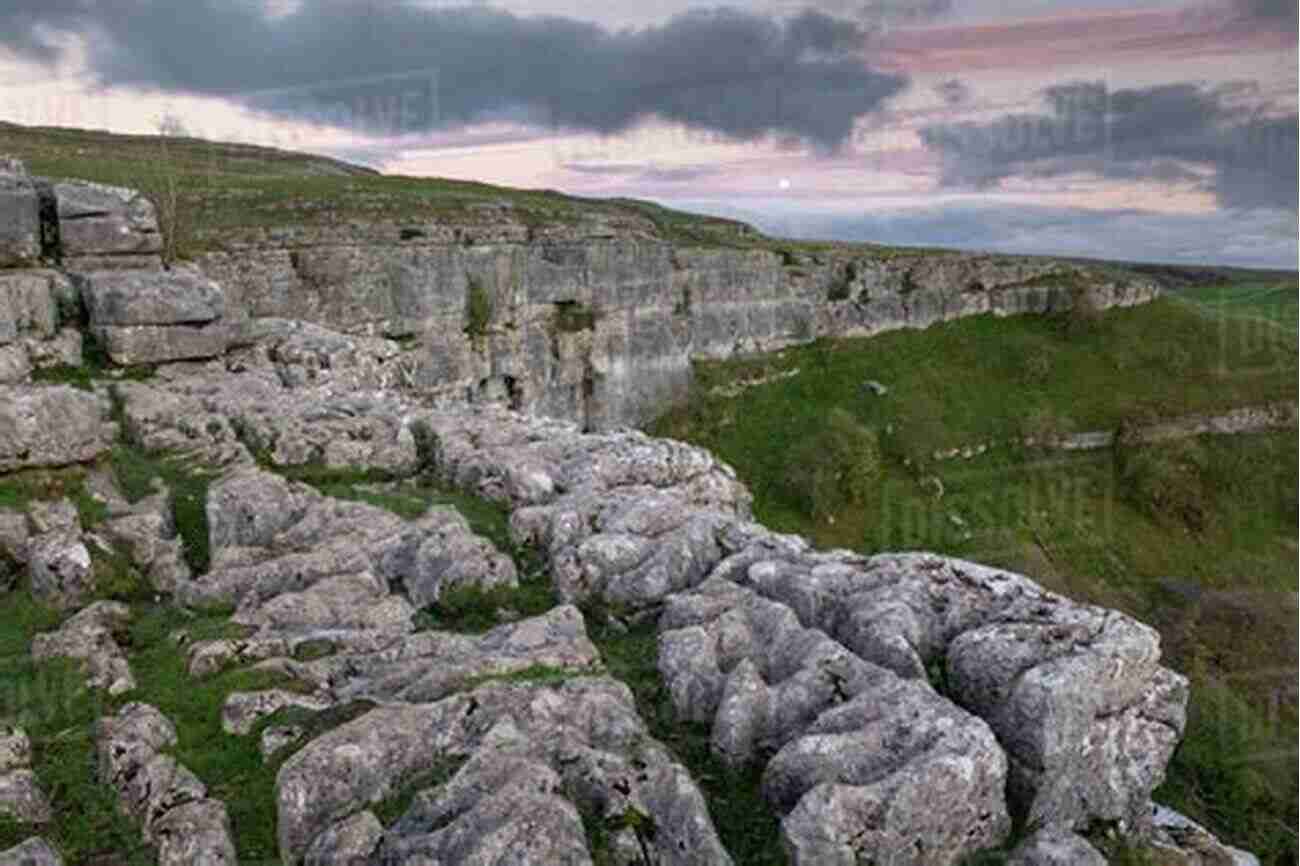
(168,801)
(180,296)
(51,426)
(865,764)
(21,796)
(576,746)
(33,852)
(88,638)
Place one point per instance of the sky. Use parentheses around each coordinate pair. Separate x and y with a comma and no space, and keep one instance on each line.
(1162,130)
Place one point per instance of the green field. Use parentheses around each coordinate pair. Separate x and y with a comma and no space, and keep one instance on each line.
(1196,536)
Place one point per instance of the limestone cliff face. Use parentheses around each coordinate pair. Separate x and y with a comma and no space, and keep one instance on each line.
(598,323)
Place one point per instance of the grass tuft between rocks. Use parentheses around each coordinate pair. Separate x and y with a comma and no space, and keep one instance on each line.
(748,827)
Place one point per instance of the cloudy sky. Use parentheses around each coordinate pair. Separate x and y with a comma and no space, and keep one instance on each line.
(1162,130)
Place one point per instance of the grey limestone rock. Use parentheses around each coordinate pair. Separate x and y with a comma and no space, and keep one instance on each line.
(51,426)
(555,750)
(29,304)
(179,296)
(157,344)
(21,797)
(1055,846)
(105,226)
(88,637)
(20,221)
(865,764)
(430,665)
(350,842)
(168,801)
(59,564)
(32,852)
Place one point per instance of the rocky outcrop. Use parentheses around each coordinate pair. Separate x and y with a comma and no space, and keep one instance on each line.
(900,708)
(168,801)
(600,327)
(96,226)
(150,317)
(56,426)
(20,218)
(595,321)
(535,759)
(88,638)
(21,797)
(37,322)
(32,852)
(1075,696)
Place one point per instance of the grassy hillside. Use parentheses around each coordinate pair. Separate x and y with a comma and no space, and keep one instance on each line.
(223,186)
(1197,536)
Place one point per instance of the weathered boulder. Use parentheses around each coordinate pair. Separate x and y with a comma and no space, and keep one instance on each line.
(439,553)
(179,296)
(20,219)
(536,756)
(866,766)
(242,710)
(21,797)
(88,637)
(1055,846)
(169,802)
(51,426)
(60,568)
(1075,694)
(160,344)
(1180,841)
(33,852)
(430,665)
(146,532)
(350,842)
(103,226)
(29,304)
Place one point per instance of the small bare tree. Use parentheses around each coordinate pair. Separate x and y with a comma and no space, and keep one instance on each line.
(165,189)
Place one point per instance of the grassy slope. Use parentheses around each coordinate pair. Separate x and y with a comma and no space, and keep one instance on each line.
(1222,592)
(224,186)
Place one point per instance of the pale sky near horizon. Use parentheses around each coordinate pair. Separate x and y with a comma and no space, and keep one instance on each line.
(1162,131)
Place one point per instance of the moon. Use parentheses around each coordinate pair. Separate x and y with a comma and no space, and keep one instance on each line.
(783,183)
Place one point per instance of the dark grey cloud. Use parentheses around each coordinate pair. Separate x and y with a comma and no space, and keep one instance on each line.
(1158,133)
(952,91)
(643,173)
(725,70)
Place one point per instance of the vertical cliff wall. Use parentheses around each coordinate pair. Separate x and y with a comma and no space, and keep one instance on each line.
(599,322)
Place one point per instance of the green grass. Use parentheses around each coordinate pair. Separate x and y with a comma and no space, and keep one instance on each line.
(19,490)
(747,826)
(224,189)
(396,804)
(1276,302)
(52,704)
(1196,537)
(136,470)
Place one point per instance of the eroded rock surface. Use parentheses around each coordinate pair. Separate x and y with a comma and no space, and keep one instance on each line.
(168,801)
(88,638)
(51,426)
(32,852)
(535,758)
(1085,715)
(21,797)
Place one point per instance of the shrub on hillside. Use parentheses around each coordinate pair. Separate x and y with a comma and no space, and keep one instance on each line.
(835,467)
(1085,312)
(1164,479)
(478,307)
(1044,428)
